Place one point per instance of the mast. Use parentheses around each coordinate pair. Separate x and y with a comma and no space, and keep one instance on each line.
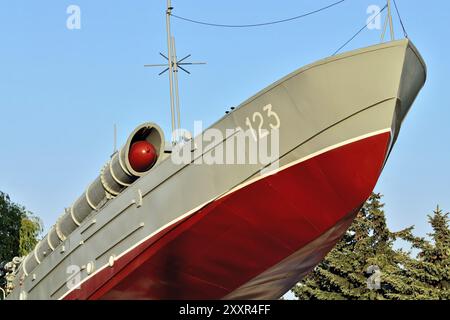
(391,24)
(170,63)
(173,65)
(175,74)
(388,20)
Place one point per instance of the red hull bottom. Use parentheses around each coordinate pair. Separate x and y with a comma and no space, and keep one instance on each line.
(254,242)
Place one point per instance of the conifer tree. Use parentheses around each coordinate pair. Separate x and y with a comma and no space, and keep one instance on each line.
(365,264)
(430,271)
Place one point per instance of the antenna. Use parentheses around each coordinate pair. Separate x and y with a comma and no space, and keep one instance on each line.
(172,66)
(391,24)
(115,140)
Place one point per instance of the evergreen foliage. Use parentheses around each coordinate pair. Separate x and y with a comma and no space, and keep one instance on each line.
(366,265)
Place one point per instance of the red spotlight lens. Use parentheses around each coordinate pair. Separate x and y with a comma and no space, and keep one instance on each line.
(142,156)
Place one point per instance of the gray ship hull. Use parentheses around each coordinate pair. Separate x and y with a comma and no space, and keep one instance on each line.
(210,230)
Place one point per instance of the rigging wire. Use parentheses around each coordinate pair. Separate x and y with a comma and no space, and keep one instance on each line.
(295,18)
(258,24)
(401,21)
(359,31)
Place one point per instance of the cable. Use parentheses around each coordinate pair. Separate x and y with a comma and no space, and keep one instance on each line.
(257,24)
(357,33)
(401,21)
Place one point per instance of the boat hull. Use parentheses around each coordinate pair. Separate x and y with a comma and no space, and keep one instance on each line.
(226,248)
(210,231)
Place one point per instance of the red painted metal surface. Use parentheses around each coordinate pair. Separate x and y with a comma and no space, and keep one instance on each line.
(142,156)
(234,239)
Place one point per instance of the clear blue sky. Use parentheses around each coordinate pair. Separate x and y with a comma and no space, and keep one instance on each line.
(62,90)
